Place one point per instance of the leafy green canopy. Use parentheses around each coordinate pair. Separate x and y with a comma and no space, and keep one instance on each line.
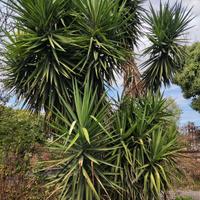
(127,154)
(19,132)
(189,77)
(21,139)
(166,29)
(57,40)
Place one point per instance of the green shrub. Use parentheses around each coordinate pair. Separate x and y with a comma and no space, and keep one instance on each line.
(150,146)
(20,134)
(128,153)
(183,198)
(19,130)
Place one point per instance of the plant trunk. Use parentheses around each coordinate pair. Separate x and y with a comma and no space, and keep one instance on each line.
(133,84)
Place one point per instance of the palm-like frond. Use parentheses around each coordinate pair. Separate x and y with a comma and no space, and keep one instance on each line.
(161,155)
(135,14)
(103,23)
(36,67)
(124,154)
(83,149)
(149,148)
(132,77)
(166,29)
(56,41)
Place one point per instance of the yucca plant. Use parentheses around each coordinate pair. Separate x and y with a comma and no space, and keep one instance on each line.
(56,41)
(149,148)
(165,31)
(98,152)
(36,68)
(82,147)
(102,153)
(161,156)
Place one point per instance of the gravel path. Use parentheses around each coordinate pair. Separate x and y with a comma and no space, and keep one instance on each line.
(194,194)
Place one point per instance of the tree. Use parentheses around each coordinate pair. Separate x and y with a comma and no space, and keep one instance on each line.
(166,28)
(132,77)
(61,56)
(174,109)
(189,78)
(62,40)
(4,98)
(58,41)
(5,24)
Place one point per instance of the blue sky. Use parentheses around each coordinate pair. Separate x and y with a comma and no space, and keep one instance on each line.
(188,114)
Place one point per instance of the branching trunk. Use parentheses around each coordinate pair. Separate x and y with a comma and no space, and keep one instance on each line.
(133,84)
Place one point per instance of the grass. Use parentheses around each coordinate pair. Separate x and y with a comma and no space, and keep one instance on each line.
(183,198)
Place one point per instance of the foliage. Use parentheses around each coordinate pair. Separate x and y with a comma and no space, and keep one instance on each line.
(58,40)
(135,18)
(150,146)
(189,77)
(127,154)
(20,132)
(183,198)
(174,108)
(166,53)
(83,149)
(55,42)
(21,185)
(60,57)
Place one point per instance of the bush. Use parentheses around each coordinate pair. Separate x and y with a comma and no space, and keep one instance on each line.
(20,134)
(19,130)
(128,153)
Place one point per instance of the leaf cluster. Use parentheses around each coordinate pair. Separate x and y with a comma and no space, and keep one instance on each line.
(19,131)
(57,40)
(100,153)
(189,78)
(166,29)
